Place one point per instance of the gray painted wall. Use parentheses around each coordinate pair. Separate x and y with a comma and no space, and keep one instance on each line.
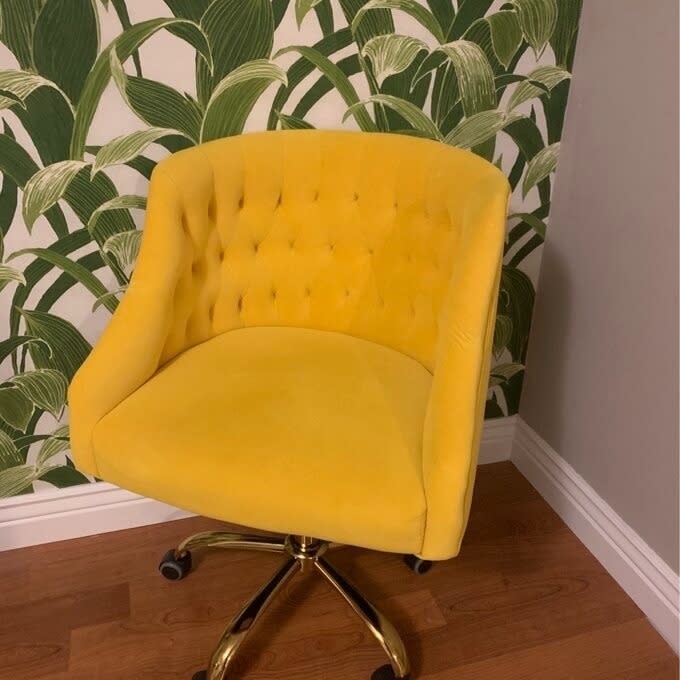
(601,384)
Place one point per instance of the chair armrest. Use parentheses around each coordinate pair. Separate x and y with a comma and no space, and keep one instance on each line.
(128,352)
(455,412)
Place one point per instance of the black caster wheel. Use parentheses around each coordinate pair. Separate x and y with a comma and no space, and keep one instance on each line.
(417,565)
(386,672)
(175,568)
(201,675)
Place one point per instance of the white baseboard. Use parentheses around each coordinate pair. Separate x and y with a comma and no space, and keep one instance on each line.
(647,579)
(47,516)
(89,509)
(497,439)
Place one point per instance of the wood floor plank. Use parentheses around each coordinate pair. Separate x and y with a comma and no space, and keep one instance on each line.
(25,659)
(524,600)
(34,637)
(630,651)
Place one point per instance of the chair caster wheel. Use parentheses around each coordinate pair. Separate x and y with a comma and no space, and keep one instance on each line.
(201,675)
(417,565)
(175,568)
(386,672)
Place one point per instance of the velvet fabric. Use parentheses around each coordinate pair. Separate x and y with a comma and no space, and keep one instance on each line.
(310,308)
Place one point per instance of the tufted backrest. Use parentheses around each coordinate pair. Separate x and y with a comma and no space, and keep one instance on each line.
(343,231)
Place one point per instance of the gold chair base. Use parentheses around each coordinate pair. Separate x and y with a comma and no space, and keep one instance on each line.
(302,554)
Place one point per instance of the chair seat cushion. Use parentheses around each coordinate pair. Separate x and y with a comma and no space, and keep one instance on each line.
(284,429)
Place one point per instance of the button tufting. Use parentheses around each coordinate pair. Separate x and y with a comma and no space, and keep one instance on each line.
(205,240)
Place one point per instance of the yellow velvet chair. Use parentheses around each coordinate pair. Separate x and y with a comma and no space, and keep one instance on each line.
(304,349)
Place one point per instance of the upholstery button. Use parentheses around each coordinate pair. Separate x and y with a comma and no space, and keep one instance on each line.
(331,246)
(370,251)
(316,195)
(356,197)
(308,291)
(278,201)
(211,312)
(291,243)
(240,202)
(256,246)
(239,303)
(273,293)
(346,292)
(221,255)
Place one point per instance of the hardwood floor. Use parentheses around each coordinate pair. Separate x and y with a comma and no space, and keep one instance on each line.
(524,600)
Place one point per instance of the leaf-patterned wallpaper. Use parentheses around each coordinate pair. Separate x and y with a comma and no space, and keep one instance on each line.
(94,92)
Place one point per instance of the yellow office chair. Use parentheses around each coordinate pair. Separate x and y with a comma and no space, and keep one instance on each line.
(304,348)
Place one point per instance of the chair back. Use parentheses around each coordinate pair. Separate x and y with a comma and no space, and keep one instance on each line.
(334,230)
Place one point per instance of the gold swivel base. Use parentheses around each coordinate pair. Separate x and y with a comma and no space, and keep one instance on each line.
(302,554)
